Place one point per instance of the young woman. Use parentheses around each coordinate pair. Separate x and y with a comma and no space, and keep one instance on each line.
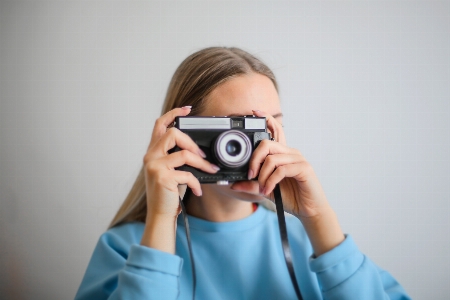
(235,241)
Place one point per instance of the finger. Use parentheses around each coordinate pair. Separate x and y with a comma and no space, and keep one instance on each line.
(183,177)
(175,137)
(265,148)
(276,177)
(275,127)
(251,187)
(165,120)
(273,162)
(299,170)
(185,157)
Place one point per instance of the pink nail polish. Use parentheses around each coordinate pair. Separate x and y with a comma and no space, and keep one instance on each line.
(202,154)
(187,107)
(215,167)
(264,191)
(250,174)
(256,110)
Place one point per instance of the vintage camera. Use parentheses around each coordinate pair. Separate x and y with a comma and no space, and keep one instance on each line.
(227,142)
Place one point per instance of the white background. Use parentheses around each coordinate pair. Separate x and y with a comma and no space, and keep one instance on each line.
(365,94)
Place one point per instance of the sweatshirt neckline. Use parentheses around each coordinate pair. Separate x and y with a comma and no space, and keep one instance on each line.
(239,225)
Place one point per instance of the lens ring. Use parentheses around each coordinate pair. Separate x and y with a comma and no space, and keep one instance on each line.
(232,161)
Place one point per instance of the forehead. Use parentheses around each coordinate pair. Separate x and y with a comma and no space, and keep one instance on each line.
(241,95)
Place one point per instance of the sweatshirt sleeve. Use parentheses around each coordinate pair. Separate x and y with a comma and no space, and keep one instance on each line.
(346,273)
(118,270)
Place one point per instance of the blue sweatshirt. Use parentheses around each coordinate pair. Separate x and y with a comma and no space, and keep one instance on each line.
(234,260)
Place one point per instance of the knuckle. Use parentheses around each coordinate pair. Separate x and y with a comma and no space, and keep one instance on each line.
(280,171)
(172,131)
(193,178)
(306,166)
(159,178)
(189,177)
(158,122)
(147,159)
(183,175)
(184,154)
(270,160)
(151,168)
(264,143)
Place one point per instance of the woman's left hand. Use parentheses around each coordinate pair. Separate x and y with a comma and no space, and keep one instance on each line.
(276,163)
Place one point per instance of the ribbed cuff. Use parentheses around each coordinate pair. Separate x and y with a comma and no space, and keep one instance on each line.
(154,260)
(338,264)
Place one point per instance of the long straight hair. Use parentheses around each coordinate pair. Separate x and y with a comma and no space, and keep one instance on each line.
(192,82)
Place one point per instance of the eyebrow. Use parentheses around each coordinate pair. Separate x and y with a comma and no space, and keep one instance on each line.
(241,115)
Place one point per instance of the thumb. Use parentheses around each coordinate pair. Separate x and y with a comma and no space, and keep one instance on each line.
(247,186)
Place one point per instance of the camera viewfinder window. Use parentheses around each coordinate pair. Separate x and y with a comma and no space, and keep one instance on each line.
(237,124)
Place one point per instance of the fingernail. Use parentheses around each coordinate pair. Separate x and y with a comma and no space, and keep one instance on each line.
(250,174)
(256,110)
(215,167)
(264,191)
(187,107)
(261,188)
(202,154)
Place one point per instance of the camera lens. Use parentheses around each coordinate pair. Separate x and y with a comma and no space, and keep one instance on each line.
(232,148)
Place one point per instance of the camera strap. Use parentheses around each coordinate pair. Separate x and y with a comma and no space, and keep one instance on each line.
(284,239)
(188,238)
(283,236)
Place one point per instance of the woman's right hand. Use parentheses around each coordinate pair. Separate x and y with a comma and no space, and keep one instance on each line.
(161,178)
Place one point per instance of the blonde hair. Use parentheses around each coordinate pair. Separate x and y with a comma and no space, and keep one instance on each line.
(193,80)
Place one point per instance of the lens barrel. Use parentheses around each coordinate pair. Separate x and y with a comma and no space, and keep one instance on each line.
(232,148)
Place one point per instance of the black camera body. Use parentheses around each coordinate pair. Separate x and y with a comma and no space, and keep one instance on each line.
(227,142)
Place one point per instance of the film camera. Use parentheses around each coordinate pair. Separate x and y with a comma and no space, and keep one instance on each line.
(227,142)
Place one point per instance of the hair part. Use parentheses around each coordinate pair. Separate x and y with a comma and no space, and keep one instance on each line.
(194,79)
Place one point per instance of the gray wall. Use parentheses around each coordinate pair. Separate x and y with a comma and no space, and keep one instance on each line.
(364,88)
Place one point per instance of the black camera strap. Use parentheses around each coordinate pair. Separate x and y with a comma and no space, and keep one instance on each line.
(188,238)
(283,236)
(284,239)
